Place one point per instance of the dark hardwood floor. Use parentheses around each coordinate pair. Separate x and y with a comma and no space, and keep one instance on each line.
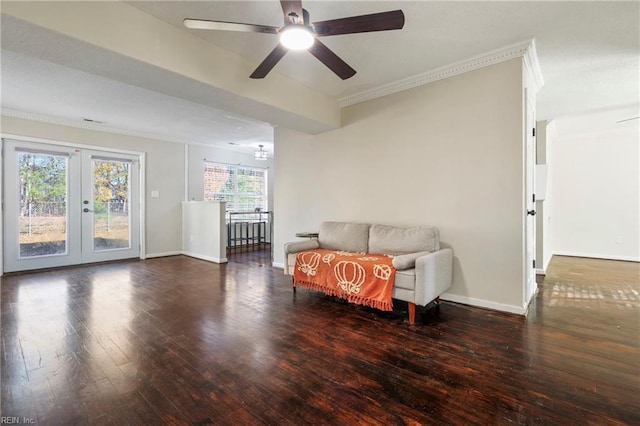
(182,341)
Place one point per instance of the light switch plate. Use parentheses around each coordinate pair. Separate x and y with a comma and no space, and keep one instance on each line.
(155,194)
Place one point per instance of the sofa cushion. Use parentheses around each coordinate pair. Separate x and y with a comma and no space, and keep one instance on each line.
(344,236)
(394,240)
(405,279)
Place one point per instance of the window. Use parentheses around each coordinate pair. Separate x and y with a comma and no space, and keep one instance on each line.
(243,188)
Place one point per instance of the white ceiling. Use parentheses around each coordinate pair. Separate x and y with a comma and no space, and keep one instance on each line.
(588,52)
(51,90)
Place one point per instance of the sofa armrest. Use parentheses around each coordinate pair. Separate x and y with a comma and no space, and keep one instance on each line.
(407,261)
(296,247)
(433,275)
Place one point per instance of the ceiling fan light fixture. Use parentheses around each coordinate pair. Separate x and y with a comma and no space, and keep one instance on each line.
(296,37)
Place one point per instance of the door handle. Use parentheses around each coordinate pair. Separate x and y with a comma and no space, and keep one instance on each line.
(86,210)
(529,212)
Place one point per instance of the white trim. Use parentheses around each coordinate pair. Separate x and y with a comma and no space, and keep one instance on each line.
(532,67)
(278,265)
(540,271)
(533,296)
(142,158)
(597,256)
(530,297)
(523,49)
(186,172)
(552,131)
(22,138)
(208,258)
(164,254)
(1,204)
(484,304)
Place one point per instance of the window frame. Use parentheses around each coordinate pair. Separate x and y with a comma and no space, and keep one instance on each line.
(233,198)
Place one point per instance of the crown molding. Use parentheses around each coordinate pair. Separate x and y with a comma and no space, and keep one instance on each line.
(522,49)
(532,67)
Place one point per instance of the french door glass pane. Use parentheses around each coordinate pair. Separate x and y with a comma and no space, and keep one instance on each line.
(42,211)
(111,221)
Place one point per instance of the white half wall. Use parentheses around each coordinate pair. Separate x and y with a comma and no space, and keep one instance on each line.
(596,194)
(448,154)
(164,173)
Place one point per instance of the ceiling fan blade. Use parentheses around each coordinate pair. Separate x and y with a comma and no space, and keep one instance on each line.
(292,7)
(331,60)
(382,21)
(269,62)
(202,24)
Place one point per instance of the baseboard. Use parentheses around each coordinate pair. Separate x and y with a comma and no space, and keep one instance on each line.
(165,254)
(540,272)
(278,265)
(597,256)
(481,303)
(207,258)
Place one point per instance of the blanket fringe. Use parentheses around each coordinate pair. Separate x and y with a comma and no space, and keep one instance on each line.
(353,298)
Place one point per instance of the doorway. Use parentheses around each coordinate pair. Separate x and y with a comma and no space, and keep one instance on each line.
(67,206)
(530,285)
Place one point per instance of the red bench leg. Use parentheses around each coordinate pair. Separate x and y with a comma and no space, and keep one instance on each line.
(412,313)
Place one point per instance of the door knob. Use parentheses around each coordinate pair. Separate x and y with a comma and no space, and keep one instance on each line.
(86,210)
(531,212)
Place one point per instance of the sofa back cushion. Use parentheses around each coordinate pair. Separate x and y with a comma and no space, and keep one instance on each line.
(393,240)
(344,236)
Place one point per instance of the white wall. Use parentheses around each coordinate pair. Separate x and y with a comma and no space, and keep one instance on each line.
(596,194)
(545,131)
(164,173)
(448,154)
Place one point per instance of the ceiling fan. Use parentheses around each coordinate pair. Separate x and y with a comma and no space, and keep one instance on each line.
(298,34)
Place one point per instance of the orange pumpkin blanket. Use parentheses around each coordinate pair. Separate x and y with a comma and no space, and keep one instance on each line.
(362,278)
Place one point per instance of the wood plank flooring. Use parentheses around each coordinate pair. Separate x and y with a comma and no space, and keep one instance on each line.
(181,341)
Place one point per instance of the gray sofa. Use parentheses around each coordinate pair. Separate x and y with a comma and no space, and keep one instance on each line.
(423,269)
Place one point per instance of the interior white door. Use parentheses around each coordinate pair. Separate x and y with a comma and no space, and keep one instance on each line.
(530,228)
(67,206)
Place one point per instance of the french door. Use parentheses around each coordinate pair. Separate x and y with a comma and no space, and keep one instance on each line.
(67,206)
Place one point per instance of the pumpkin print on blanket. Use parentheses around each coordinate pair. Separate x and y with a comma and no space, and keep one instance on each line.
(362,278)
(308,262)
(327,258)
(350,276)
(382,271)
